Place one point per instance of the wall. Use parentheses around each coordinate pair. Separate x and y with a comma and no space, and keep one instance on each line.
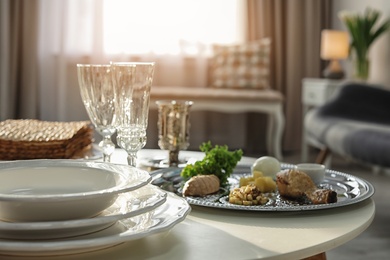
(380,50)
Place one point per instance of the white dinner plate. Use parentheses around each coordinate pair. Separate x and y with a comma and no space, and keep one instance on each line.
(57,190)
(127,205)
(163,218)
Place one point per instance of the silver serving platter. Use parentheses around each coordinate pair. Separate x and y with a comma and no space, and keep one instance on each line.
(350,190)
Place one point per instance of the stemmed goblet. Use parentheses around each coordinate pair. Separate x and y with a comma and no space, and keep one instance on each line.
(173,127)
(96,89)
(132,82)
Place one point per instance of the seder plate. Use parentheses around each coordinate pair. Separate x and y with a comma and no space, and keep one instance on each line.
(350,190)
(163,218)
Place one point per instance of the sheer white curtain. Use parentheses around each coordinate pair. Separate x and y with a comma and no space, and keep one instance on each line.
(176,34)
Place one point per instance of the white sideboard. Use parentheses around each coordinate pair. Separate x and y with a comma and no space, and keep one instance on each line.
(315,92)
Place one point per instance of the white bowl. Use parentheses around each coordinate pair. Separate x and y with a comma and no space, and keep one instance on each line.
(48,190)
(315,171)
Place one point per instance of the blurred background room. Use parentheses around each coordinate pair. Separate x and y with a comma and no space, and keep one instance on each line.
(43,40)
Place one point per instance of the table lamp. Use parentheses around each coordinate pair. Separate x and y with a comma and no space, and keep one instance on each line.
(334,46)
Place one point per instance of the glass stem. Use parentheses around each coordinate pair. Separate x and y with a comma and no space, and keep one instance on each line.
(174,158)
(132,158)
(107,147)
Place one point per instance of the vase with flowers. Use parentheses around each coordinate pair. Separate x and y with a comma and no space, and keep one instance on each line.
(364,30)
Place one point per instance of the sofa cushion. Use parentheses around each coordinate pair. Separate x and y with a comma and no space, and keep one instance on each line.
(360,102)
(242,66)
(368,145)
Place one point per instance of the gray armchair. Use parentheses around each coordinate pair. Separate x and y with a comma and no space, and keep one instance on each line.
(354,124)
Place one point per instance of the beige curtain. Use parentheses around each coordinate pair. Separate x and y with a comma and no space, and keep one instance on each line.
(294,27)
(18,61)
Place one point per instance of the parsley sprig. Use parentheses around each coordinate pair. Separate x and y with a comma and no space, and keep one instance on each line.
(218,160)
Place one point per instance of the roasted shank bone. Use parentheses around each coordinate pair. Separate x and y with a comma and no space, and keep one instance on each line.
(296,184)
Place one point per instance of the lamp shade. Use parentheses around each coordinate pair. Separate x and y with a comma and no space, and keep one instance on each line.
(334,44)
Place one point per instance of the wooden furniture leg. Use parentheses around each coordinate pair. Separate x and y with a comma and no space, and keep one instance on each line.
(321,256)
(324,153)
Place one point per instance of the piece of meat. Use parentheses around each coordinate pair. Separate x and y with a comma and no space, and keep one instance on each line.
(296,184)
(201,185)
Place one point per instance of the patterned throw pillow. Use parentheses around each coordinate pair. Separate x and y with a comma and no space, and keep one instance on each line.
(242,66)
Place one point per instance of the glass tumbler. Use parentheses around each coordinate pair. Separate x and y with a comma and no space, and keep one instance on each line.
(132,81)
(173,127)
(96,89)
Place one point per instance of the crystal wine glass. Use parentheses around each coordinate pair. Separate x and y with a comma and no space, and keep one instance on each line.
(96,89)
(132,81)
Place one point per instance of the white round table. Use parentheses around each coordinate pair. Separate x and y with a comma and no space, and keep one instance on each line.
(209,233)
(220,234)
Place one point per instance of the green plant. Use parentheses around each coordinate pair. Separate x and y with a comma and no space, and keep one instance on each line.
(364,30)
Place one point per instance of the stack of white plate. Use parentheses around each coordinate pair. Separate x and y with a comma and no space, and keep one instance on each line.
(51,207)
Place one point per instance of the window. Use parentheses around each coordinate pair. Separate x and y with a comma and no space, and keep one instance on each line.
(168,26)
